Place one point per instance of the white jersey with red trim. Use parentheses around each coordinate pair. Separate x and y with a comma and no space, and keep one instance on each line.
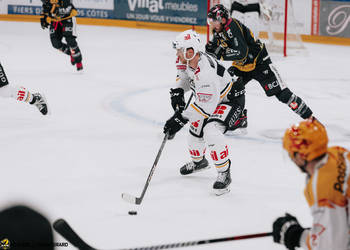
(328,195)
(210,83)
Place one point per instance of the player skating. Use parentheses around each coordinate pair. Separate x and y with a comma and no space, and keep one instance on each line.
(59,15)
(217,108)
(233,41)
(327,190)
(21,94)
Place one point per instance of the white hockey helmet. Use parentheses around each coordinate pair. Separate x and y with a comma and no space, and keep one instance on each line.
(186,40)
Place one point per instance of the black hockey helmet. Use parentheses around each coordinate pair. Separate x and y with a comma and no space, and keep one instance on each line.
(217,13)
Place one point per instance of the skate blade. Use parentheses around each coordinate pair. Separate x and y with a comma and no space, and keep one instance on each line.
(202,169)
(239,131)
(219,192)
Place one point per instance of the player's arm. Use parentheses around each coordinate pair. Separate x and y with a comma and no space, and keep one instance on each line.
(67,10)
(329,229)
(63,11)
(45,13)
(236,48)
(212,47)
(181,86)
(245,56)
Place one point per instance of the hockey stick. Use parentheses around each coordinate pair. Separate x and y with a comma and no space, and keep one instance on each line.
(137,200)
(63,228)
(201,242)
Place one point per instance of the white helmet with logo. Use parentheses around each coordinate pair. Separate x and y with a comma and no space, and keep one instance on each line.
(186,40)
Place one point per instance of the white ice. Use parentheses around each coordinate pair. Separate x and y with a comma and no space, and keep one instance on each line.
(105,129)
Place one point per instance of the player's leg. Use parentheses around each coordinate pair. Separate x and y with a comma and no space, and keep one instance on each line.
(268,77)
(70,34)
(56,36)
(236,121)
(196,147)
(243,8)
(218,148)
(21,94)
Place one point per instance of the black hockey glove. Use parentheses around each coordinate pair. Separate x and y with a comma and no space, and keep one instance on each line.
(43,22)
(46,7)
(174,124)
(177,99)
(231,71)
(215,51)
(210,47)
(287,231)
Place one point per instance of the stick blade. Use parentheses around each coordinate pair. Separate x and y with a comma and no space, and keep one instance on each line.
(64,229)
(130,198)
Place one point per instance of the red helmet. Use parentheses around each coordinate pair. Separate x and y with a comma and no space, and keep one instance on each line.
(217,13)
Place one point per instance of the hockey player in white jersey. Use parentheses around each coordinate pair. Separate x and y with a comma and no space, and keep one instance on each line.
(21,94)
(212,112)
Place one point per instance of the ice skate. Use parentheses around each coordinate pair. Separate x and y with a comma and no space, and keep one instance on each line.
(79,66)
(222,183)
(40,102)
(193,167)
(240,126)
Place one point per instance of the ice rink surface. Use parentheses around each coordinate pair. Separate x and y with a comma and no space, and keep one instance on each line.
(105,129)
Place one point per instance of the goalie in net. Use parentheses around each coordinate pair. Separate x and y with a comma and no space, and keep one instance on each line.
(233,41)
(273,20)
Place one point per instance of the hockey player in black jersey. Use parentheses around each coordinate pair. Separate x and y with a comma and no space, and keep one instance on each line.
(59,16)
(233,41)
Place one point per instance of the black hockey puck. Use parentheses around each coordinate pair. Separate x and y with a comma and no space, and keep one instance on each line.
(132,213)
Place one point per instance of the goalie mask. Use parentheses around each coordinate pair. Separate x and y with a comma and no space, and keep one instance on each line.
(308,138)
(188,39)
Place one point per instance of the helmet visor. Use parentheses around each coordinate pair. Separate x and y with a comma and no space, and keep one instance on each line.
(211,21)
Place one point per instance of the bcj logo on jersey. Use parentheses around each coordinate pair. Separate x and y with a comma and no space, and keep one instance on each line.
(152,5)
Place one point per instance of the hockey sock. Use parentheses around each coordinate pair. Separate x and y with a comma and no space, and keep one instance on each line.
(18,93)
(196,147)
